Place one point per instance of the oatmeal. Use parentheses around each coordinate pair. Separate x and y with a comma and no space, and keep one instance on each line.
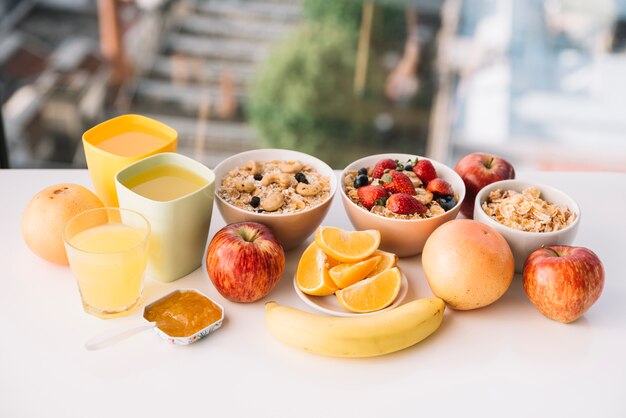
(526,211)
(274,187)
(399,190)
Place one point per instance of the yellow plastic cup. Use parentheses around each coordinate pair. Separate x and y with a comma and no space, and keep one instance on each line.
(119,142)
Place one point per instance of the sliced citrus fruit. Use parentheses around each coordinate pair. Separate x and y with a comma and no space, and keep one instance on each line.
(347,246)
(372,294)
(347,274)
(312,272)
(387,261)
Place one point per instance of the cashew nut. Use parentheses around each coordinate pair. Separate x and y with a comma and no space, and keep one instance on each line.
(273,202)
(284,180)
(256,167)
(290,167)
(304,189)
(423,196)
(245,186)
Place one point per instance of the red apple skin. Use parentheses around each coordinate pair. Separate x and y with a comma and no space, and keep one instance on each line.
(478,170)
(245,261)
(562,281)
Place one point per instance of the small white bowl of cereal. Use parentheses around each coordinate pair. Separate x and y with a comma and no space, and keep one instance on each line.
(405,196)
(288,191)
(528,215)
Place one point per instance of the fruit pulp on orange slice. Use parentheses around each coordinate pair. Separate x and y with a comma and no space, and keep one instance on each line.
(371,294)
(347,274)
(387,261)
(312,275)
(347,246)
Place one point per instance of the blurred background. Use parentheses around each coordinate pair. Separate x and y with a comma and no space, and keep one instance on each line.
(540,82)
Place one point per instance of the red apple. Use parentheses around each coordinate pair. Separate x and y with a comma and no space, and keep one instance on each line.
(563,281)
(478,170)
(245,261)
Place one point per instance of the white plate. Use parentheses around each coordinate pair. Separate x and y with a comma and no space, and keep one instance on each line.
(329,304)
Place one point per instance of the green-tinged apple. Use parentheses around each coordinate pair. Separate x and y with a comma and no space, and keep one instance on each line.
(245,261)
(562,281)
(477,170)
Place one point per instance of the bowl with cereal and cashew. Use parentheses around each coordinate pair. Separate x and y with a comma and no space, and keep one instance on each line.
(527,215)
(289,191)
(405,196)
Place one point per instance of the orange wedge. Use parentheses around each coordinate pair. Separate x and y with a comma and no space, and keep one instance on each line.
(372,294)
(312,272)
(347,274)
(387,261)
(347,246)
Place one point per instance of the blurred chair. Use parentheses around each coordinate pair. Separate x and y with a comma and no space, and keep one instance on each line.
(4,155)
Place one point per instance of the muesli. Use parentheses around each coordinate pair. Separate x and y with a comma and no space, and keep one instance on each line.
(400,190)
(526,211)
(274,187)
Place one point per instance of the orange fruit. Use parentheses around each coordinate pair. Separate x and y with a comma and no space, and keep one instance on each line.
(347,246)
(312,273)
(467,264)
(347,274)
(47,213)
(387,261)
(372,294)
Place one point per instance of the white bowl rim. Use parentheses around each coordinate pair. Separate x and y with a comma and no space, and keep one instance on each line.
(526,183)
(333,183)
(390,155)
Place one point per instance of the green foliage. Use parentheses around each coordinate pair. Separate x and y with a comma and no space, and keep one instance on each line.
(302,97)
(344,13)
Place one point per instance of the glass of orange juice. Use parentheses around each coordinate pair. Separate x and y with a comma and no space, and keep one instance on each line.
(108,250)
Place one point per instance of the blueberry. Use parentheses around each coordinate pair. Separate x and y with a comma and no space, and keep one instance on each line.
(255,201)
(363,170)
(408,167)
(447,202)
(361,180)
(258,177)
(301,178)
(260,210)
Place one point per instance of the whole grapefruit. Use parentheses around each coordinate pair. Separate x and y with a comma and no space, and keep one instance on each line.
(467,264)
(46,215)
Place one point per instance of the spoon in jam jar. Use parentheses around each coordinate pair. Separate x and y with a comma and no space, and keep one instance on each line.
(180,317)
(111,337)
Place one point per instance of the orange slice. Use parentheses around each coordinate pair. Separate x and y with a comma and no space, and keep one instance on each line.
(347,246)
(312,272)
(387,261)
(347,274)
(372,294)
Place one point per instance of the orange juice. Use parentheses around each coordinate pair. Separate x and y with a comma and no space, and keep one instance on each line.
(165,182)
(130,144)
(108,261)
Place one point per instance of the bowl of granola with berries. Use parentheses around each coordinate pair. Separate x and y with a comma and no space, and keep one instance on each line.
(527,215)
(406,197)
(288,191)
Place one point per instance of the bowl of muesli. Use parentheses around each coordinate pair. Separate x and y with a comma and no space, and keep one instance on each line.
(289,191)
(528,215)
(405,196)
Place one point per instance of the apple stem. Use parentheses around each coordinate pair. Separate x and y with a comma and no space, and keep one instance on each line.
(553,251)
(489,162)
(248,235)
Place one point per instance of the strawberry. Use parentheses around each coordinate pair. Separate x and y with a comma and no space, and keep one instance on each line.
(372,195)
(425,171)
(440,186)
(382,165)
(397,182)
(404,204)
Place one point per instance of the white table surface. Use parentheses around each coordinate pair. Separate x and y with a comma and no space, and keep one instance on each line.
(503,360)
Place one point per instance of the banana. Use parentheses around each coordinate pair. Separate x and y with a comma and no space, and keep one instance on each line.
(364,336)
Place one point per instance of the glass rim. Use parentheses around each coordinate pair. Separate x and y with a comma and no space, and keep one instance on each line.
(107,208)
